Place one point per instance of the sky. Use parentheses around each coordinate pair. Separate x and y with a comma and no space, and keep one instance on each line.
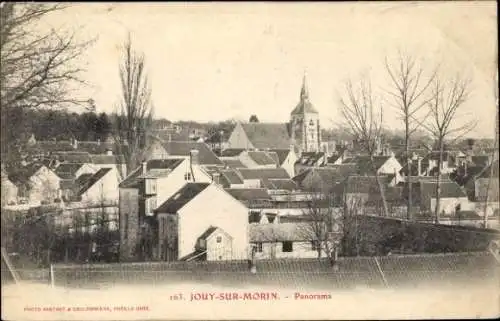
(217,61)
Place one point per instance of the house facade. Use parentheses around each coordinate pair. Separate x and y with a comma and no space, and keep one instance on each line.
(148,186)
(36,184)
(8,190)
(100,188)
(185,218)
(284,240)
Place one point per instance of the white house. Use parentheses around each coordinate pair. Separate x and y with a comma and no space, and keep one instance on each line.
(8,189)
(109,161)
(36,184)
(453,197)
(198,210)
(99,188)
(287,159)
(149,185)
(284,240)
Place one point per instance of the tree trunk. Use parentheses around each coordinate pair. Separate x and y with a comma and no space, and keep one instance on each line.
(438,181)
(408,160)
(380,187)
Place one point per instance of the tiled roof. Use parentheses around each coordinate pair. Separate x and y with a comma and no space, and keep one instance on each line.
(281,184)
(157,166)
(299,178)
(72,157)
(92,180)
(328,176)
(275,157)
(233,163)
(181,198)
(94,147)
(310,158)
(208,232)
(281,232)
(23,174)
(232,152)
(364,184)
(282,154)
(261,158)
(231,176)
(332,159)
(488,172)
(51,146)
(365,166)
(449,189)
(107,159)
(268,135)
(249,194)
(205,154)
(263,173)
(68,170)
(481,160)
(335,173)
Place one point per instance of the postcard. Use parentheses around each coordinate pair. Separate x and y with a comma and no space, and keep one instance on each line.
(249,161)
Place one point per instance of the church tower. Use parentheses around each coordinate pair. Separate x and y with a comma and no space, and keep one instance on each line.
(304,123)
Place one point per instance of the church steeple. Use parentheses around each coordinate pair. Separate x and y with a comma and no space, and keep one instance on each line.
(304,94)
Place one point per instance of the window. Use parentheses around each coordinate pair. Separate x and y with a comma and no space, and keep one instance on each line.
(258,247)
(187,176)
(219,239)
(315,245)
(152,203)
(287,247)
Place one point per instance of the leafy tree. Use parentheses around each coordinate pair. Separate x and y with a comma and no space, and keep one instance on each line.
(253,119)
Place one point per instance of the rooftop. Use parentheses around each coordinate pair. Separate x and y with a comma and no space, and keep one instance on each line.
(268,135)
(281,232)
(181,198)
(155,167)
(183,148)
(264,173)
(88,183)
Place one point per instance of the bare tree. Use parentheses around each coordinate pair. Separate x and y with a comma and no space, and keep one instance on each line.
(494,155)
(135,111)
(364,119)
(38,66)
(409,93)
(332,222)
(447,101)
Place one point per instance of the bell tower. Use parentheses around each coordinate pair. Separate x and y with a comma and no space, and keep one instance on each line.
(304,123)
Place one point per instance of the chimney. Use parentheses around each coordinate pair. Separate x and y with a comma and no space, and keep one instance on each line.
(109,152)
(144,167)
(215,178)
(98,141)
(419,168)
(75,143)
(194,157)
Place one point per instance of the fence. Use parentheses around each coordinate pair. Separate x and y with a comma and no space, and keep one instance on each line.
(373,272)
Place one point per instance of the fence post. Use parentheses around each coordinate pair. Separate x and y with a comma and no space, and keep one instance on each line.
(52,278)
(381,272)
